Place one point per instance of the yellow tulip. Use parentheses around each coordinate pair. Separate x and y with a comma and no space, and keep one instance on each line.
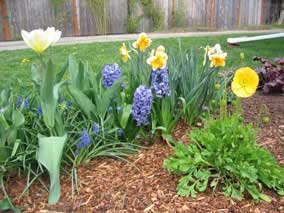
(39,40)
(245,82)
(143,42)
(124,53)
(158,58)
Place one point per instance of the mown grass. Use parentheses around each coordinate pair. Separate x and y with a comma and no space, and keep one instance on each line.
(98,54)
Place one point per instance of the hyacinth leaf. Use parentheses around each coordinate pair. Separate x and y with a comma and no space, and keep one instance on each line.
(125,115)
(49,155)
(82,100)
(105,100)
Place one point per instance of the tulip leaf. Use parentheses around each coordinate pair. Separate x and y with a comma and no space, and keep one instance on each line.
(72,69)
(49,155)
(82,100)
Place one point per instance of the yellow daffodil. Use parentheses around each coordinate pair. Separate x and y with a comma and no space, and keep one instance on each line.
(143,42)
(158,58)
(218,60)
(216,56)
(39,40)
(245,82)
(124,53)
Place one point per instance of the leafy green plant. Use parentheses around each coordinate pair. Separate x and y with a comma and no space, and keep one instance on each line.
(225,153)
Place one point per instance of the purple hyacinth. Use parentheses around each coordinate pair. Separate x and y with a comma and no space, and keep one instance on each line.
(39,110)
(142,104)
(110,74)
(26,104)
(123,86)
(19,102)
(160,83)
(96,129)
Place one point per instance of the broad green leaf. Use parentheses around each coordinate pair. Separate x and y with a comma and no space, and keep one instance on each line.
(83,101)
(49,155)
(126,111)
(18,119)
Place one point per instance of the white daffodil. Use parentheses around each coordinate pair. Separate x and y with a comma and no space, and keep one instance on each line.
(39,40)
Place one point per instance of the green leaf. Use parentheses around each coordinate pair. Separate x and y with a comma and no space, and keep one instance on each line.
(83,101)
(126,111)
(48,103)
(63,70)
(49,155)
(18,119)
(5,205)
(73,69)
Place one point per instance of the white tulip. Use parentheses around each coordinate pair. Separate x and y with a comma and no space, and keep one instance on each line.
(39,40)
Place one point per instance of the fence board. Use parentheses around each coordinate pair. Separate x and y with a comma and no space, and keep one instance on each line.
(32,14)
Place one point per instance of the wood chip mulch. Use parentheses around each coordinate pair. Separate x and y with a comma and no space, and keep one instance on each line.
(111,185)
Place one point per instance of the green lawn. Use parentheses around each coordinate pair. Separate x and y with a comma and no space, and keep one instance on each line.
(99,54)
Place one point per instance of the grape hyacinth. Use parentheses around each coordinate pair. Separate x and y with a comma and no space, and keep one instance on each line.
(96,129)
(19,102)
(142,104)
(160,83)
(39,110)
(26,104)
(119,132)
(84,141)
(110,74)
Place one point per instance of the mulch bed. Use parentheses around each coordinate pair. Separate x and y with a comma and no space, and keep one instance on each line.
(110,185)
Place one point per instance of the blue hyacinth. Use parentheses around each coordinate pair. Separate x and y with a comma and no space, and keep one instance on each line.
(160,83)
(96,129)
(39,110)
(110,74)
(142,104)
(19,102)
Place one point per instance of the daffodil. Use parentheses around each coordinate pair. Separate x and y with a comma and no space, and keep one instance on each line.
(143,42)
(218,60)
(216,56)
(124,53)
(158,58)
(39,40)
(245,82)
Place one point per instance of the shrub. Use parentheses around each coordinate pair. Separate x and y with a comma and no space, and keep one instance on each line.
(271,75)
(225,153)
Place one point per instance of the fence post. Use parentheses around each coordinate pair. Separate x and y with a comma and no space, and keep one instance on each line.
(76,17)
(212,7)
(4,14)
(239,14)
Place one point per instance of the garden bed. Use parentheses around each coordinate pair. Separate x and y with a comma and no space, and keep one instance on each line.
(110,185)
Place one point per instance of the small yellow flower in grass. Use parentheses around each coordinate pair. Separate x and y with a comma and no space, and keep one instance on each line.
(25,60)
(158,58)
(143,42)
(245,82)
(124,53)
(39,40)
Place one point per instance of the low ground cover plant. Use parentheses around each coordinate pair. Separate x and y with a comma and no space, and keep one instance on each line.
(271,75)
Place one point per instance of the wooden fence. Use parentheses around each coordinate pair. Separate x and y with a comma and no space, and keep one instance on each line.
(74,17)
